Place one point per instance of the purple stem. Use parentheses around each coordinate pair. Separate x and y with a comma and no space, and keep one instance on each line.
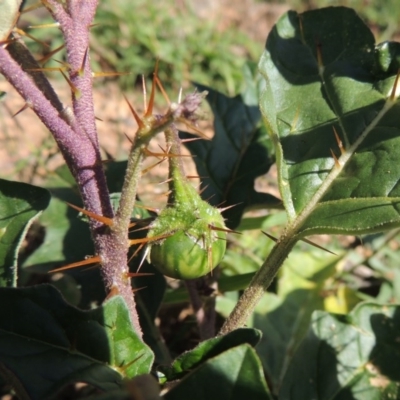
(76,137)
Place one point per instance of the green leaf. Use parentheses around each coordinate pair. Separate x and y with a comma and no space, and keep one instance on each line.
(234,158)
(348,357)
(209,349)
(45,343)
(20,204)
(234,374)
(323,74)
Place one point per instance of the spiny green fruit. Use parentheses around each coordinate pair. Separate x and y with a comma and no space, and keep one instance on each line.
(194,231)
(194,247)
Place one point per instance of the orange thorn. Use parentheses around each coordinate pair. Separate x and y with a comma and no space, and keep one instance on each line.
(130,140)
(303,240)
(81,70)
(108,74)
(138,241)
(318,246)
(7,41)
(91,260)
(162,90)
(145,228)
(165,153)
(41,26)
(50,69)
(113,292)
(65,65)
(337,163)
(74,89)
(32,7)
(105,220)
(22,33)
(166,181)
(137,274)
(149,110)
(24,107)
(135,115)
(144,171)
(394,93)
(152,239)
(190,140)
(203,189)
(134,290)
(135,253)
(144,93)
(193,128)
(228,207)
(146,208)
(339,142)
(217,228)
(270,236)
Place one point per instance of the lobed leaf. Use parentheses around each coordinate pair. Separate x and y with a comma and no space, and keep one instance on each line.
(325,76)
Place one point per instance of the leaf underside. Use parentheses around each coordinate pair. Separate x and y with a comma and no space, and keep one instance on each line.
(323,74)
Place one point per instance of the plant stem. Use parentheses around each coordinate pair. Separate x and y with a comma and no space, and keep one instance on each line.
(259,284)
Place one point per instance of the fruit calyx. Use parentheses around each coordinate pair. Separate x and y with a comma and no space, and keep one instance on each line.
(197,236)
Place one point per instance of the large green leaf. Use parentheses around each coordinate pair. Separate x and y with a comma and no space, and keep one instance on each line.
(348,357)
(46,343)
(324,75)
(20,203)
(234,158)
(233,374)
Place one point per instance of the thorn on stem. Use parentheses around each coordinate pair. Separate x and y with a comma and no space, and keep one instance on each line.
(100,218)
(88,261)
(23,108)
(135,115)
(337,163)
(150,107)
(339,142)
